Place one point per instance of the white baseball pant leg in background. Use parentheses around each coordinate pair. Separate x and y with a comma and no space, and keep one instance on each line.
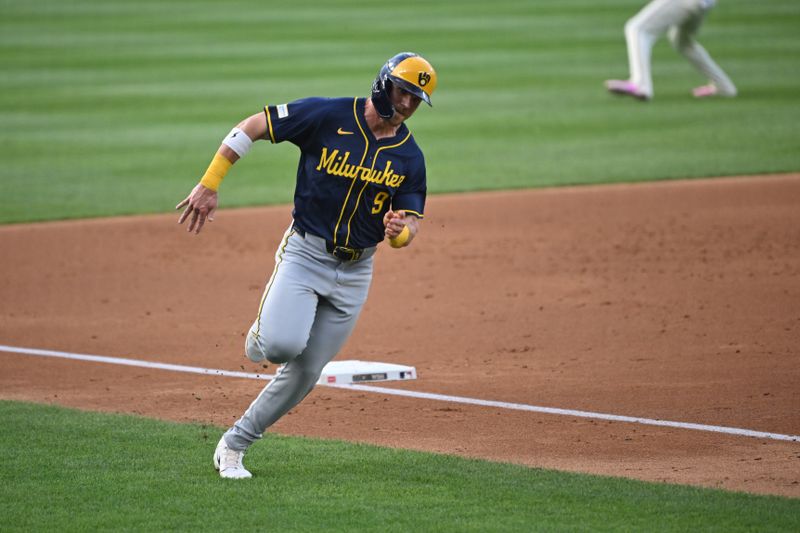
(682,19)
(682,38)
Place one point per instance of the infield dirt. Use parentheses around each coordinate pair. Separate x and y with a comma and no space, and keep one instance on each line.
(672,300)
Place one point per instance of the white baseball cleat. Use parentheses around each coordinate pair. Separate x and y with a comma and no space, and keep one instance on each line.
(229,462)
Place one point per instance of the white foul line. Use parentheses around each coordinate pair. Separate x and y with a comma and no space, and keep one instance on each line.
(410,394)
(135,362)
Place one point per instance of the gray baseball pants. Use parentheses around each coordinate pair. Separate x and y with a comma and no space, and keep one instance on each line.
(308,310)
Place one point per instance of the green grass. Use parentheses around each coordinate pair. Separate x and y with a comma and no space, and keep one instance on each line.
(117,107)
(67,470)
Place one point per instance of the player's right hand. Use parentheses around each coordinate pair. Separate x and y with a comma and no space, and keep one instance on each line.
(201,204)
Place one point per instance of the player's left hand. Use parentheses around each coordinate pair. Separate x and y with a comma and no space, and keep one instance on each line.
(394,222)
(201,204)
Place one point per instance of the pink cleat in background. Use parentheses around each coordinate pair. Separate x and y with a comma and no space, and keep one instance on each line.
(704,91)
(626,88)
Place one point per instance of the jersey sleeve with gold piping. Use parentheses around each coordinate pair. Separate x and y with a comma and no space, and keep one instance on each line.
(410,197)
(294,121)
(347,179)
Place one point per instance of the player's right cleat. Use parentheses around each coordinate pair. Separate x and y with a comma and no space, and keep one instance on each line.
(229,462)
(626,88)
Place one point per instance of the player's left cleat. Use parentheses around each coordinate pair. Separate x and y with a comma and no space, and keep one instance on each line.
(706,91)
(229,462)
(626,88)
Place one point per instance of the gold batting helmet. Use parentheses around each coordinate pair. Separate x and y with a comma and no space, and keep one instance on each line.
(409,71)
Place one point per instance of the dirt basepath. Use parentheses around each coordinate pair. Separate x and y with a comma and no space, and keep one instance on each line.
(673,300)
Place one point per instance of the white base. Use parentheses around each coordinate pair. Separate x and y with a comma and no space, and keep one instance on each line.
(347,372)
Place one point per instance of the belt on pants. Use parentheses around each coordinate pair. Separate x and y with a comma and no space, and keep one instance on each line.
(343,253)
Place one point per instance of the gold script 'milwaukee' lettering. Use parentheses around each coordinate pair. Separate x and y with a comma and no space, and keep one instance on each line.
(337,165)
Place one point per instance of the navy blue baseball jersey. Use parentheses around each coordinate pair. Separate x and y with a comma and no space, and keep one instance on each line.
(347,179)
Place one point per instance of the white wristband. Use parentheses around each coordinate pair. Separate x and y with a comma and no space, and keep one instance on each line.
(238,141)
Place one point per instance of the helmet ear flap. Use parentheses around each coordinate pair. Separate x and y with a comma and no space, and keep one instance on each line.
(381,88)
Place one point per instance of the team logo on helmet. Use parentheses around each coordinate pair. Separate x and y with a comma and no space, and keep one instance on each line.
(424,78)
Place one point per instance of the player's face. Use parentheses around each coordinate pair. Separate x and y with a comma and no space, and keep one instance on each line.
(404,104)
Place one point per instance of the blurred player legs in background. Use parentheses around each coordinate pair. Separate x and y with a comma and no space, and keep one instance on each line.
(681,20)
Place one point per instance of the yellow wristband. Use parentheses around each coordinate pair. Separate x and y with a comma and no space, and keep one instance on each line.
(216,171)
(400,240)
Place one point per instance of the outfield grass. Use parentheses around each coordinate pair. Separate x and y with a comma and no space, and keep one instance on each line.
(71,471)
(117,107)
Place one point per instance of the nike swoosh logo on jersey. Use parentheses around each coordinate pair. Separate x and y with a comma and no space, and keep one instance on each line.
(340,131)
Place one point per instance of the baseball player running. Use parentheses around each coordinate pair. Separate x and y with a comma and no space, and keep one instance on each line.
(681,20)
(361,178)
